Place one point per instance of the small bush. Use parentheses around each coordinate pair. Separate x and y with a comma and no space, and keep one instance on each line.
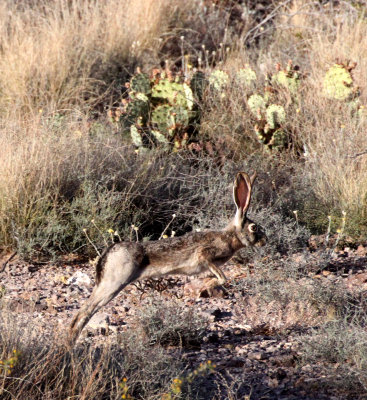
(167,322)
(344,345)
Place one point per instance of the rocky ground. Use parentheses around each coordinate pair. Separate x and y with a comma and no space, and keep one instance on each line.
(260,357)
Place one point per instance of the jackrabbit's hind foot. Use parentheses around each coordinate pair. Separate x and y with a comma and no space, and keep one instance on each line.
(212,289)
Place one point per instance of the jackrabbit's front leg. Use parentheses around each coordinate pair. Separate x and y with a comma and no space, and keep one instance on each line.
(219,279)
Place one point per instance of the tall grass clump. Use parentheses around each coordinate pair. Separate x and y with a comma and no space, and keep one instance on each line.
(36,364)
(334,130)
(43,368)
(55,54)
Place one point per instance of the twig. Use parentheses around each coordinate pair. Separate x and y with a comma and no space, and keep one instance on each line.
(272,15)
(90,241)
(8,260)
(165,229)
(361,153)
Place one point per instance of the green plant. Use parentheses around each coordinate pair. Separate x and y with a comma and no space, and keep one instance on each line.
(218,80)
(343,345)
(159,109)
(169,323)
(246,76)
(256,103)
(269,121)
(9,363)
(289,77)
(269,108)
(338,82)
(125,390)
(178,384)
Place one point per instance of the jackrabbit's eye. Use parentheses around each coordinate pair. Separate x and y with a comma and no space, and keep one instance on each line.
(252,228)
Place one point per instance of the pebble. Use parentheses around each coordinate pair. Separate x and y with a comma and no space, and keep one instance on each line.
(257,355)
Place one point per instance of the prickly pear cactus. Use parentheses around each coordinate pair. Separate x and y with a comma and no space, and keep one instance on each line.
(338,83)
(256,102)
(160,138)
(246,77)
(168,118)
(173,92)
(269,119)
(218,80)
(182,116)
(279,140)
(140,83)
(288,78)
(135,136)
(163,118)
(137,109)
(189,95)
(275,115)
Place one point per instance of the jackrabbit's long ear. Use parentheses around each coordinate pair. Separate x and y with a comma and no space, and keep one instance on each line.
(242,191)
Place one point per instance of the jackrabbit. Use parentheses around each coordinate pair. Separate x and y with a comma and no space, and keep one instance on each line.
(125,262)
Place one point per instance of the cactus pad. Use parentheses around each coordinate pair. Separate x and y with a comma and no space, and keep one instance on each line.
(218,79)
(136,109)
(173,92)
(256,103)
(288,80)
(275,115)
(140,83)
(246,77)
(135,136)
(338,83)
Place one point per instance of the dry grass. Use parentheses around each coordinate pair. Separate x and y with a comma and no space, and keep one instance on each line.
(45,369)
(138,365)
(335,135)
(42,172)
(57,54)
(328,135)
(53,185)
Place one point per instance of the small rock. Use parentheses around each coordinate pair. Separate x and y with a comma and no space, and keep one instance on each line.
(30,284)
(307,368)
(239,332)
(257,355)
(42,306)
(271,349)
(99,321)
(361,251)
(80,279)
(273,383)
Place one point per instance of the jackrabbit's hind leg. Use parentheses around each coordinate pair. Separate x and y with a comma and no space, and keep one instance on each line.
(102,295)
